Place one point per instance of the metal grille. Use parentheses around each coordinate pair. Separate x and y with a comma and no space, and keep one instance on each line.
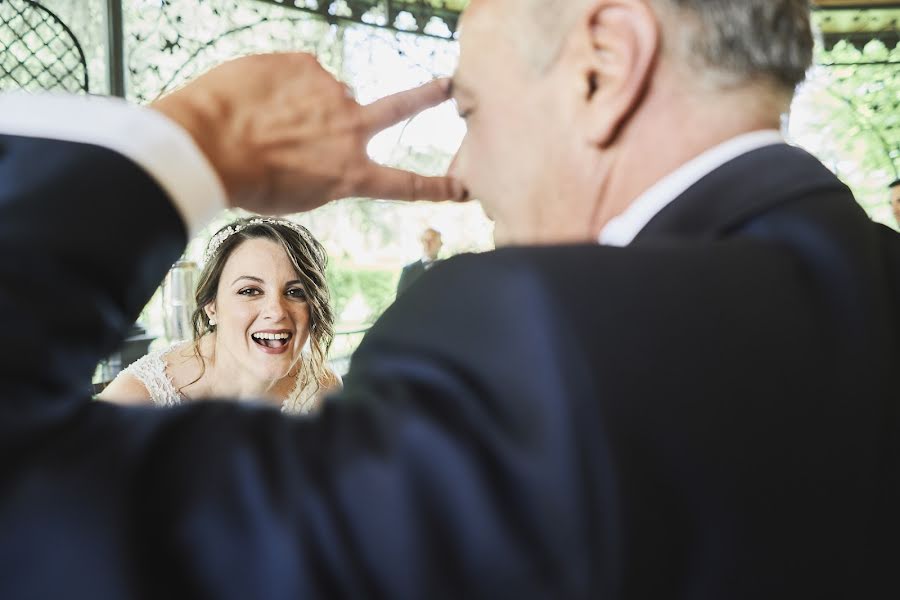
(432,18)
(38,51)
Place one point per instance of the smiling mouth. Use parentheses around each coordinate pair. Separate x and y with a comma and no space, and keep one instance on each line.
(271,340)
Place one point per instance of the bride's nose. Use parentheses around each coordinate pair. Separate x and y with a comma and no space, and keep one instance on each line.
(274,307)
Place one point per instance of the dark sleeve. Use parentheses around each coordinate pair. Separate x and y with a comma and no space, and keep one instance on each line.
(85,236)
(435,473)
(405,279)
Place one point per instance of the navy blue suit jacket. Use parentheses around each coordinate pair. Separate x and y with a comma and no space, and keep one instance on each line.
(410,274)
(709,413)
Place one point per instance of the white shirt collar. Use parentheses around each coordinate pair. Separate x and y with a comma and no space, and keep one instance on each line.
(621,230)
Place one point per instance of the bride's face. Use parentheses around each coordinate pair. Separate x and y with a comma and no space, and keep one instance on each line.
(261,311)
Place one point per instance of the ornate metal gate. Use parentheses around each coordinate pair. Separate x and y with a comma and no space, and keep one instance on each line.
(38,51)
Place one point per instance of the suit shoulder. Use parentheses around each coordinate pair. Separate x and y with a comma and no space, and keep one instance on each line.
(594,261)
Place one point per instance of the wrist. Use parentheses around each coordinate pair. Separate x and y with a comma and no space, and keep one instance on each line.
(205,119)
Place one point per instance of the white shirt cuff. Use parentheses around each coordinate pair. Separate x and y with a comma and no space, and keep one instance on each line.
(154,142)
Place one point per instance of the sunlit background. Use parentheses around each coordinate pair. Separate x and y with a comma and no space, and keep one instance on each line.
(848,112)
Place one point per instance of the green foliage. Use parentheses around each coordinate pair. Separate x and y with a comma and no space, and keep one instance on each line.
(848,115)
(360,294)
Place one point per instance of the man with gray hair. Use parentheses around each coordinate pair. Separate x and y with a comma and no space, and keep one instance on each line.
(678,380)
(696,73)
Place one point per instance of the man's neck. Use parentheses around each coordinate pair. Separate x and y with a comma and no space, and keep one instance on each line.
(622,229)
(668,136)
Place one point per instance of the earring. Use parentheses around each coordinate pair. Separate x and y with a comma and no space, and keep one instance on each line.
(212,322)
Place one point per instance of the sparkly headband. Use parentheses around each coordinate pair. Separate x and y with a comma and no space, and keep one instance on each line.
(217,240)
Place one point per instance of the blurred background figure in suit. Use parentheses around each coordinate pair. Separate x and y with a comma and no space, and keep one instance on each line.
(431,247)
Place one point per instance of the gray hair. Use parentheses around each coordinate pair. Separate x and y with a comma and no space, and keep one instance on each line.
(734,41)
(746,40)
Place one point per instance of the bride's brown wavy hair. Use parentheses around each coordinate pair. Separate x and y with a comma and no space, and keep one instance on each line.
(309,260)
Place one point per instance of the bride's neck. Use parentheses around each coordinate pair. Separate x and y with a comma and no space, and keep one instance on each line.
(223,377)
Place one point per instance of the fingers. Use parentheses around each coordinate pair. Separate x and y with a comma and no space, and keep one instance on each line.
(390,110)
(396,184)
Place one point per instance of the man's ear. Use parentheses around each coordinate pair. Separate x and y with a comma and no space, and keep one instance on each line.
(616,49)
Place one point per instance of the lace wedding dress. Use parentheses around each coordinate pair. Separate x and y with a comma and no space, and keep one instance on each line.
(150,370)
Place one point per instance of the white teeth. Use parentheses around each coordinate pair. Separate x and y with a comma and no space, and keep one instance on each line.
(271,336)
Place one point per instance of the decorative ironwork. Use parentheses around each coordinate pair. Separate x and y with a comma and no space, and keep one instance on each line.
(858,26)
(173,41)
(434,18)
(848,114)
(38,51)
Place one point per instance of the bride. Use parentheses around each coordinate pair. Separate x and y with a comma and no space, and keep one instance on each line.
(261,296)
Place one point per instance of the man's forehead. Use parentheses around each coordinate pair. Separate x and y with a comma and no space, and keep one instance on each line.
(488,16)
(479,7)
(485,35)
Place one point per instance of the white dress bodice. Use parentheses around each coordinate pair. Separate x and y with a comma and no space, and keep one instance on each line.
(150,370)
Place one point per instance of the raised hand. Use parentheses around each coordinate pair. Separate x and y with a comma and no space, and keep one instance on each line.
(285,136)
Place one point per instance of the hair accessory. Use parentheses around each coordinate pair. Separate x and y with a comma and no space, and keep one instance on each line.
(219,238)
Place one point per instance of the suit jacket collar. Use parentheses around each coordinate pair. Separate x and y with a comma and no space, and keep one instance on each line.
(738,191)
(622,229)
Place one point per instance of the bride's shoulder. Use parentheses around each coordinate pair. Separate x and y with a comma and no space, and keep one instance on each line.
(178,353)
(145,381)
(182,363)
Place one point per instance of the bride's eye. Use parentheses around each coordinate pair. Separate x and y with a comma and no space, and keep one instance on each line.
(250,291)
(296,293)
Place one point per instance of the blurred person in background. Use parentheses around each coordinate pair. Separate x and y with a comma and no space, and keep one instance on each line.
(431,247)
